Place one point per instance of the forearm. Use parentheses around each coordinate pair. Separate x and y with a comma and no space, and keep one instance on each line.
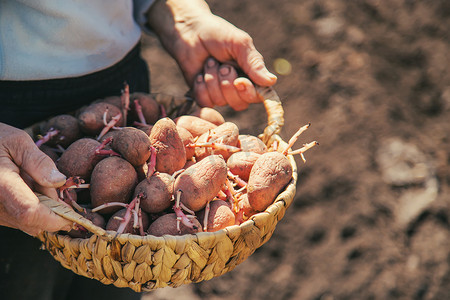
(169,19)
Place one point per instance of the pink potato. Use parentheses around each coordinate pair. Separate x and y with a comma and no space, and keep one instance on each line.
(187,139)
(250,143)
(270,174)
(113,180)
(226,134)
(209,114)
(157,191)
(220,216)
(195,125)
(170,152)
(201,182)
(189,163)
(167,225)
(245,210)
(79,159)
(241,163)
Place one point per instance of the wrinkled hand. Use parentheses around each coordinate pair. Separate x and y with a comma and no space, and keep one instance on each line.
(208,48)
(20,161)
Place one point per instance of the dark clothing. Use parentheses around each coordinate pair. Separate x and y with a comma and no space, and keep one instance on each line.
(24,103)
(26,272)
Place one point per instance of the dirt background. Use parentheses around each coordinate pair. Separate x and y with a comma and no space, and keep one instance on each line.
(371,216)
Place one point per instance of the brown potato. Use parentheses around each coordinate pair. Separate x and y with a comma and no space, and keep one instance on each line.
(114,100)
(150,108)
(201,182)
(91,118)
(250,143)
(209,114)
(219,216)
(95,218)
(241,163)
(113,180)
(145,128)
(195,125)
(157,191)
(49,152)
(115,221)
(227,134)
(167,225)
(133,144)
(69,130)
(170,153)
(79,159)
(270,174)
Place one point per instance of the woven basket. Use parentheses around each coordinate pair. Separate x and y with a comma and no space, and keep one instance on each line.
(147,263)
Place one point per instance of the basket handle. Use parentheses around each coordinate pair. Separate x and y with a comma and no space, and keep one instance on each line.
(275,112)
(68,213)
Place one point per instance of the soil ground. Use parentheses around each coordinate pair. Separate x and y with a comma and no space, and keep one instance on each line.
(371,216)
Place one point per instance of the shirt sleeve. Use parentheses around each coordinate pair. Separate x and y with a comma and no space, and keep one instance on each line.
(140,8)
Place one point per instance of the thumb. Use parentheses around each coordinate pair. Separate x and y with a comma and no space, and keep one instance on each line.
(252,63)
(27,156)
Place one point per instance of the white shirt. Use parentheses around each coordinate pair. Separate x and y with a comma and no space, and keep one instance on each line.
(49,39)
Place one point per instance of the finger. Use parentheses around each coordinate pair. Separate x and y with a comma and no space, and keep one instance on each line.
(252,63)
(39,166)
(227,76)
(21,208)
(201,93)
(49,192)
(211,78)
(34,186)
(246,90)
(27,179)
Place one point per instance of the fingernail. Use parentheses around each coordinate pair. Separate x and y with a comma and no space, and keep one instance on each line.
(211,62)
(240,86)
(271,76)
(56,176)
(225,70)
(199,78)
(225,82)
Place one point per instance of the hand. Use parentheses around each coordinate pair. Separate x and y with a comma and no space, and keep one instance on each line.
(21,159)
(206,47)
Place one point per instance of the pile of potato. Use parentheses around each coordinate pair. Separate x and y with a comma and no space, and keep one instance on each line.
(133,170)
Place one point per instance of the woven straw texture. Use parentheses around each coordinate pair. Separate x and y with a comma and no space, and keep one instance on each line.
(147,263)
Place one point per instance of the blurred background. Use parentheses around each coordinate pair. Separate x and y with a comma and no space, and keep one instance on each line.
(371,216)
